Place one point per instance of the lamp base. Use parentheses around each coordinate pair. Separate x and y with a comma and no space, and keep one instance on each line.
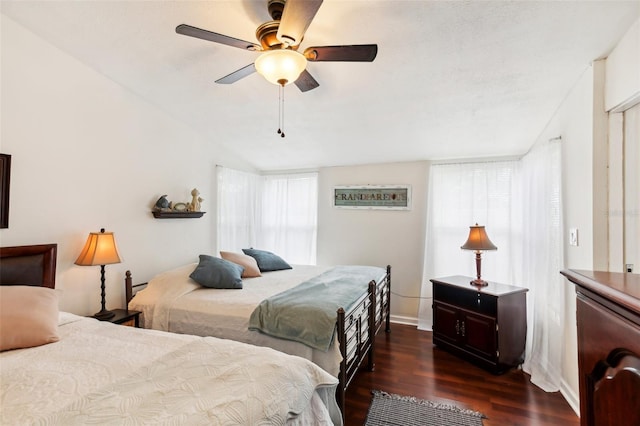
(478,282)
(104,315)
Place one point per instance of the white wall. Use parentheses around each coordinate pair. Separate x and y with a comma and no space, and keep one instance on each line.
(583,123)
(632,188)
(377,237)
(88,154)
(623,71)
(573,122)
(622,91)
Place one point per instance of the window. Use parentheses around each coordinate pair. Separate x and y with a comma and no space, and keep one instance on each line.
(269,212)
(519,202)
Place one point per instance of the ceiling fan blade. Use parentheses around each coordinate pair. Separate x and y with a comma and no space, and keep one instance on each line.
(296,17)
(190,31)
(350,53)
(306,82)
(237,75)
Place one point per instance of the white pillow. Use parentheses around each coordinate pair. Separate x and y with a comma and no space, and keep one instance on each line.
(250,265)
(28,316)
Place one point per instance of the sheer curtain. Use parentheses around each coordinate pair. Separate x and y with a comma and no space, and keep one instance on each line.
(288,223)
(542,260)
(519,202)
(238,203)
(461,195)
(274,212)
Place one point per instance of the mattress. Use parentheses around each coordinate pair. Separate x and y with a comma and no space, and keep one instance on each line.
(104,373)
(174,302)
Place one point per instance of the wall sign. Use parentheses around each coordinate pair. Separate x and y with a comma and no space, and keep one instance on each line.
(385,197)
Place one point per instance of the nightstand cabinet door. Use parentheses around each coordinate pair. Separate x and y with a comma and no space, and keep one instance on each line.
(484,325)
(480,335)
(470,331)
(448,319)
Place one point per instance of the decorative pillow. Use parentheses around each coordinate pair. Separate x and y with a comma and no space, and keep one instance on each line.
(214,272)
(28,316)
(249,264)
(267,261)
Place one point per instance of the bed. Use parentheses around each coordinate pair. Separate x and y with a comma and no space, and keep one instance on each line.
(172,301)
(102,373)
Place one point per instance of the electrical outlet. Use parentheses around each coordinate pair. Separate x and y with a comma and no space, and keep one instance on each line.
(573,236)
(629,267)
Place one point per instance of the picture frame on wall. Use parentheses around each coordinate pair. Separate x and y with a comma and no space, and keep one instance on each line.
(376,197)
(5,178)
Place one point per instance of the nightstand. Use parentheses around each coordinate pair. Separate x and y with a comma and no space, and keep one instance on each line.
(484,325)
(125,317)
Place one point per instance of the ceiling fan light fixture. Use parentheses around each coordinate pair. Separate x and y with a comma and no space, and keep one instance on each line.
(281,66)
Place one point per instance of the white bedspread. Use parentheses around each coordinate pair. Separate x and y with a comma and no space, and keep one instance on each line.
(101,373)
(174,302)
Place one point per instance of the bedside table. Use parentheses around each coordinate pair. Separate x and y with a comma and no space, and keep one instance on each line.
(125,317)
(484,325)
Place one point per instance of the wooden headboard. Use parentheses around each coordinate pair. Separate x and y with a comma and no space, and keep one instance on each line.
(29,265)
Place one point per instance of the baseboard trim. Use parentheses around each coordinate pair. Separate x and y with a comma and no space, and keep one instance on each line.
(399,319)
(570,396)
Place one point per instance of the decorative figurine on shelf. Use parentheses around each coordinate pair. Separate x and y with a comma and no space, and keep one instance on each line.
(164,209)
(162,204)
(194,205)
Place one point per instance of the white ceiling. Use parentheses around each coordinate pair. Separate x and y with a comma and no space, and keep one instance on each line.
(452,79)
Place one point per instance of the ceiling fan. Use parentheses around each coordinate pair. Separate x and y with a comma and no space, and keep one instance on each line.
(281,63)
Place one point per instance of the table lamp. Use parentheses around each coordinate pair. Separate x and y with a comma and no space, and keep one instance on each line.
(100,249)
(478,241)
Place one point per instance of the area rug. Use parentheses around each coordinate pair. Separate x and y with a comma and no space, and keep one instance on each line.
(389,409)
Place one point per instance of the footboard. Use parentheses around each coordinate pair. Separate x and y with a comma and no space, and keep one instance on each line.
(356,330)
(383,303)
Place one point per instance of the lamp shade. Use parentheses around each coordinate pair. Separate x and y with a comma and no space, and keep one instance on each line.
(478,239)
(281,66)
(100,249)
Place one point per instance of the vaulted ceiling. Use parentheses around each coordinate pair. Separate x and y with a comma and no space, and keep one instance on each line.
(452,79)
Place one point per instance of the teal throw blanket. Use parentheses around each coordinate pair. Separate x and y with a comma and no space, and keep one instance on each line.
(307,313)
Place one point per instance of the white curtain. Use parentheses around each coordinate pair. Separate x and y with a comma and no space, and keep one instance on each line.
(238,205)
(519,202)
(542,260)
(238,200)
(289,218)
(277,213)
(461,195)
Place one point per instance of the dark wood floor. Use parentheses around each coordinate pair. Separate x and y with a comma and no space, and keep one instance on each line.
(407,363)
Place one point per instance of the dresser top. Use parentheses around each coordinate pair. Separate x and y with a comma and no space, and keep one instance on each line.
(492,288)
(621,288)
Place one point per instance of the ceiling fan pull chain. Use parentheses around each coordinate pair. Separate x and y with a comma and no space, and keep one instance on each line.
(279,107)
(281,110)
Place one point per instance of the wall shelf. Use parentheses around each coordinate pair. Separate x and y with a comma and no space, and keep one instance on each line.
(177,215)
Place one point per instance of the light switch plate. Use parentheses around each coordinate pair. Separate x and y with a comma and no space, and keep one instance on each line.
(573,236)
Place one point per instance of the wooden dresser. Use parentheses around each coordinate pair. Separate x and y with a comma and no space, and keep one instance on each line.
(608,318)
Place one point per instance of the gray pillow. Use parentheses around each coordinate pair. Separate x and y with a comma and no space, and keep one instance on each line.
(214,272)
(266,260)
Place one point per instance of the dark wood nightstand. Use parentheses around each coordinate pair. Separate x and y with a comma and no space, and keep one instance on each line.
(484,325)
(125,317)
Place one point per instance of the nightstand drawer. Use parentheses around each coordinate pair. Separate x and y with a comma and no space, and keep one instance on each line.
(467,299)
